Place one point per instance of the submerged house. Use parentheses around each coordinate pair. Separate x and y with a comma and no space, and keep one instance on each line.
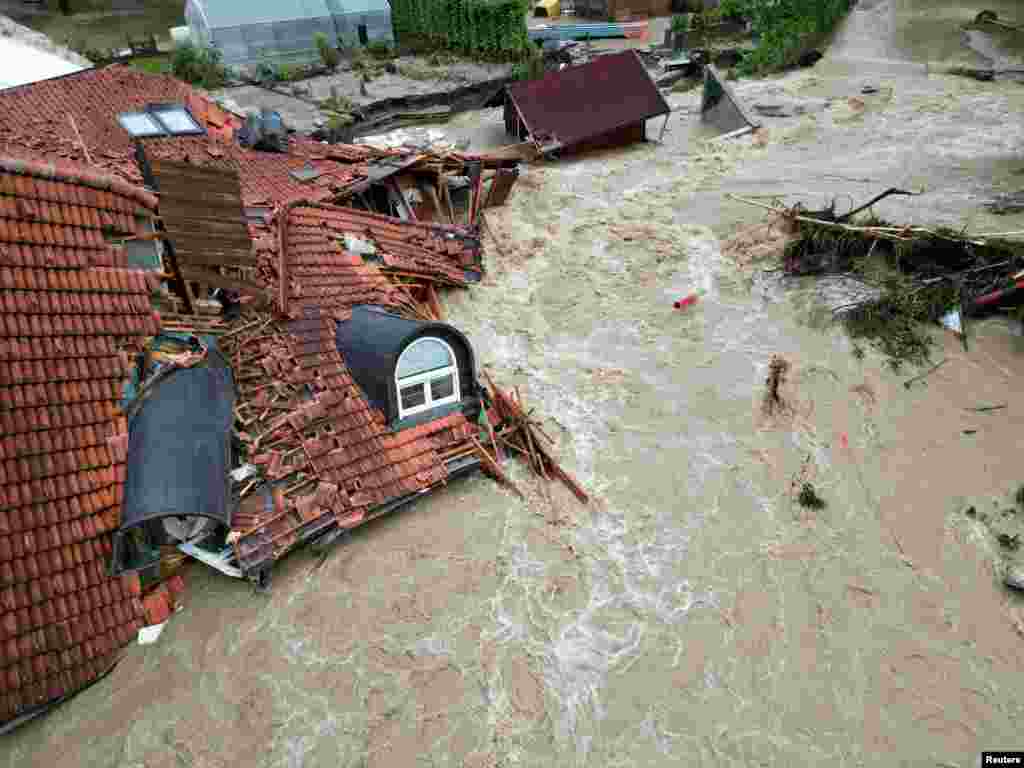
(606,101)
(344,397)
(284,30)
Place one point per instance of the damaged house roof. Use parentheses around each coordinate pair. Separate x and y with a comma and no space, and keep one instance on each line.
(70,313)
(74,316)
(588,101)
(413,248)
(356,459)
(76,118)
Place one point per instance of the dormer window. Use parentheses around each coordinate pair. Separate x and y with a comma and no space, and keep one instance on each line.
(412,371)
(426,376)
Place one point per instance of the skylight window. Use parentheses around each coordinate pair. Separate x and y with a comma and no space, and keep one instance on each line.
(176,119)
(160,120)
(140,124)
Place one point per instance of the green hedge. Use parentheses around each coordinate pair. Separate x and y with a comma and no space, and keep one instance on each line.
(788,28)
(494,29)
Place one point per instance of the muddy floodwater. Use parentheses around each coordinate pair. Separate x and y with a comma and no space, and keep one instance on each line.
(693,614)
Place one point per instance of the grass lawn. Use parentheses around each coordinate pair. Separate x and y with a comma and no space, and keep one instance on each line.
(96,24)
(155,65)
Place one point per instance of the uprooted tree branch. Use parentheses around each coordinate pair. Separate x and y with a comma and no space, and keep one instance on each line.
(915,275)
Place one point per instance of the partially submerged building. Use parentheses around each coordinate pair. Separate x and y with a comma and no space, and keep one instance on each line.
(135,426)
(284,30)
(604,102)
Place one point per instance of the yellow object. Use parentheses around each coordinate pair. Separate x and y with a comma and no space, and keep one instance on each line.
(547,9)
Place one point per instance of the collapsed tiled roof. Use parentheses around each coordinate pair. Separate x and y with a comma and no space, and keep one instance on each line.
(337,440)
(353,463)
(320,272)
(70,314)
(75,118)
(267,177)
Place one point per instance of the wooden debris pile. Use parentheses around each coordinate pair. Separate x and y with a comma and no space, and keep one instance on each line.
(518,431)
(256,347)
(907,276)
(449,189)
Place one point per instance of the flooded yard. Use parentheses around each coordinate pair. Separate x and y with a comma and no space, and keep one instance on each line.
(693,614)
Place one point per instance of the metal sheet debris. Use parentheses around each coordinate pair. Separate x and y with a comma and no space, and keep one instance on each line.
(720,108)
(359,246)
(244,472)
(222,561)
(149,635)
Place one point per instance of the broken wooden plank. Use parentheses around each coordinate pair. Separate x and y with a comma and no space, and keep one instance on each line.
(515,413)
(492,464)
(494,440)
(197,274)
(434,303)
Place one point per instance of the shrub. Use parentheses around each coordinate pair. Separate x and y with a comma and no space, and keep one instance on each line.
(379,49)
(289,73)
(199,66)
(787,28)
(680,22)
(328,54)
(490,29)
(530,65)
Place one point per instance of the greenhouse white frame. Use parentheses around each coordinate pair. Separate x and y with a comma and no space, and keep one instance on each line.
(252,31)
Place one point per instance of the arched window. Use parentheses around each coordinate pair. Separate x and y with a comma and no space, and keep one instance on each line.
(427,376)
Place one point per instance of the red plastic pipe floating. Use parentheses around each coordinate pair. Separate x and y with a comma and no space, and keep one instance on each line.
(992,298)
(686,302)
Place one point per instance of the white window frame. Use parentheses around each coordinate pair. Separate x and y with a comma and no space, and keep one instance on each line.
(424,379)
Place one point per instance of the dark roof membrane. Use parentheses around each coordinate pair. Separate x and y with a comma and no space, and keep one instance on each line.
(373,340)
(179,447)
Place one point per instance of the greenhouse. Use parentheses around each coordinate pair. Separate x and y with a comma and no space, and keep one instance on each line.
(251,31)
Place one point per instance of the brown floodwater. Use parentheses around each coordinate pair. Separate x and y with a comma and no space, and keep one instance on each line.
(693,614)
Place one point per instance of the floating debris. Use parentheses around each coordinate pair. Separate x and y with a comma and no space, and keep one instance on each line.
(1008,541)
(1014,577)
(808,498)
(777,370)
(916,275)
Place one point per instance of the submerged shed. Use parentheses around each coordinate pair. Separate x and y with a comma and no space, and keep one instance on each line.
(604,102)
(249,31)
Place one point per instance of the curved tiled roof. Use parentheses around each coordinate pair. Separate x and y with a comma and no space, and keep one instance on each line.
(70,315)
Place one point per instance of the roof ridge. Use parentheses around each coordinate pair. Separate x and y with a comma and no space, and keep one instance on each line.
(77,174)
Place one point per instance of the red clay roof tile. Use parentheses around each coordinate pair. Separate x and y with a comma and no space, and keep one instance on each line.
(41,546)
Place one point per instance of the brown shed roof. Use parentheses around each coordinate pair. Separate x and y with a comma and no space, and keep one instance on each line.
(588,100)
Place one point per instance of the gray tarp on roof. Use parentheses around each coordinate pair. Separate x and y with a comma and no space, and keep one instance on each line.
(179,447)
